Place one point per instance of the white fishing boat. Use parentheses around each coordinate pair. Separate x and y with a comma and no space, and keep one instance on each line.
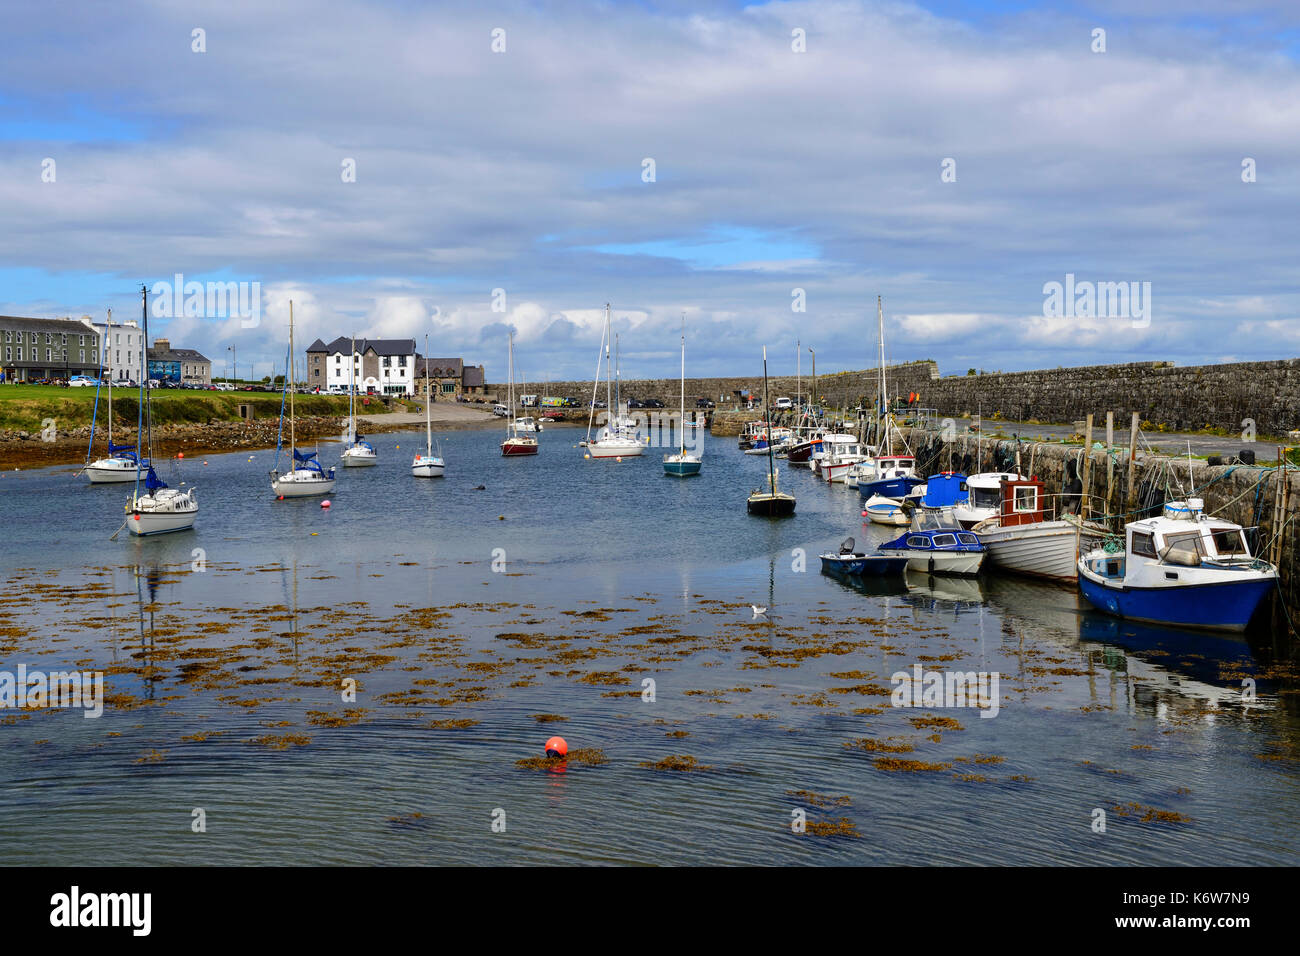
(616,439)
(305,476)
(427,465)
(834,466)
(1033,534)
(159,509)
(359,453)
(826,447)
(528,424)
(122,461)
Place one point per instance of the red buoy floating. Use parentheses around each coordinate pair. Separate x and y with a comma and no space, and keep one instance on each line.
(180,454)
(325,503)
(557,747)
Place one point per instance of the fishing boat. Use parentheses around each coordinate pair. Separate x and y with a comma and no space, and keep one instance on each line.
(749,433)
(305,476)
(890,476)
(159,509)
(983,497)
(427,465)
(359,453)
(517,443)
(826,445)
(771,502)
(528,424)
(122,461)
(1181,568)
(682,463)
(937,544)
(617,439)
(887,511)
(850,561)
(839,457)
(778,439)
(1033,533)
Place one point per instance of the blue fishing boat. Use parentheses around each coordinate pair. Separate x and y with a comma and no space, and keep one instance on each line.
(889,477)
(1182,568)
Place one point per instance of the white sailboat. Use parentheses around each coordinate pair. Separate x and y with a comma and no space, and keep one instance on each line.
(427,465)
(305,476)
(682,464)
(617,439)
(159,509)
(122,461)
(516,443)
(359,453)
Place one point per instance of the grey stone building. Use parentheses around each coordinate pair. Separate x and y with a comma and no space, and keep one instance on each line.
(33,350)
(178,365)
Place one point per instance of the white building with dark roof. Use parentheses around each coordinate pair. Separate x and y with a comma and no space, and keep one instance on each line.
(377,366)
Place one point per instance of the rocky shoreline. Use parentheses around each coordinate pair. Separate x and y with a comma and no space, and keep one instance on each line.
(24,449)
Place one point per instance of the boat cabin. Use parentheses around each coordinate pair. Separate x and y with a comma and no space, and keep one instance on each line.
(1022,502)
(1189,540)
(943,490)
(985,490)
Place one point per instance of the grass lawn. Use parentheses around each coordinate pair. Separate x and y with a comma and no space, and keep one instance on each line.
(25,407)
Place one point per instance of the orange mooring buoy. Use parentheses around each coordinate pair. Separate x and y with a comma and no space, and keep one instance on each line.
(557,747)
(325,503)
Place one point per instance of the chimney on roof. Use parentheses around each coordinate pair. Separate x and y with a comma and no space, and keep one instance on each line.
(162,345)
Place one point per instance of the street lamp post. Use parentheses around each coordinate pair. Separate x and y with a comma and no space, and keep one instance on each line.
(233,363)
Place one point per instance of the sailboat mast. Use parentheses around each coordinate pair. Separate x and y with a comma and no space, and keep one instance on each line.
(108,358)
(618,378)
(144,385)
(884,394)
(798,373)
(428,420)
(683,413)
(289,384)
(767,413)
(352,390)
(609,372)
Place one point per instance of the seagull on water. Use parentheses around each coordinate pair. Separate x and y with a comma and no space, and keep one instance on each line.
(758,612)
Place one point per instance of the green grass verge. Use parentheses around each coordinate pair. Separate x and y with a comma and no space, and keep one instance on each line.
(26,407)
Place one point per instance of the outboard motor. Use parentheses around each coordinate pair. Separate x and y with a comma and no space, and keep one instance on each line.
(847,546)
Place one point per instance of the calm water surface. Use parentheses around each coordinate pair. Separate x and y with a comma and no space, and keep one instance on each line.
(224,669)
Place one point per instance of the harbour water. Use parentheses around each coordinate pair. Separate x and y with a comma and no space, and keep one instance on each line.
(477,623)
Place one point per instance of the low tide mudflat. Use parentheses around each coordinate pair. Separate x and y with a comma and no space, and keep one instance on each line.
(477,623)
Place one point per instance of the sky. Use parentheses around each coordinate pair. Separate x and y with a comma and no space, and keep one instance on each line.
(764,170)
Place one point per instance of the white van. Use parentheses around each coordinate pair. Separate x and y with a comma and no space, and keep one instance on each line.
(528,401)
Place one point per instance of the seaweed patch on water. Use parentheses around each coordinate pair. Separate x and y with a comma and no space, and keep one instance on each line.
(282,741)
(1144,814)
(843,827)
(452,723)
(819,800)
(898,765)
(547,718)
(871,745)
(348,718)
(582,757)
(675,762)
(941,723)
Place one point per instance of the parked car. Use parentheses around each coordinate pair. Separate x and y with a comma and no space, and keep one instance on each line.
(783,403)
(653,403)
(704,403)
(500,411)
(79,381)
(598,404)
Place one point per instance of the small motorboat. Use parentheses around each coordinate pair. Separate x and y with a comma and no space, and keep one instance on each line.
(1182,568)
(886,511)
(937,544)
(849,561)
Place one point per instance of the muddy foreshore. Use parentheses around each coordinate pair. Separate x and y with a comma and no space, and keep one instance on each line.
(21,449)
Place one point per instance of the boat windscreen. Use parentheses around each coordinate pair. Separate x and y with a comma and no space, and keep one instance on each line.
(1229,541)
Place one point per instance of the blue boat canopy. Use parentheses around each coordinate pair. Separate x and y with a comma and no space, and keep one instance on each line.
(152,481)
(303,456)
(946,489)
(114,449)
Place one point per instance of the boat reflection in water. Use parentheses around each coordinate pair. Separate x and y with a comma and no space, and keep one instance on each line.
(935,591)
(874,585)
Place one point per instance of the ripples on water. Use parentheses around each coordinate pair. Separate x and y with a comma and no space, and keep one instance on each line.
(1093,714)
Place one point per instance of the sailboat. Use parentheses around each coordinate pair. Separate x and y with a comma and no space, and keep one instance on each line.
(516,444)
(305,476)
(884,480)
(160,509)
(122,461)
(682,464)
(358,454)
(618,439)
(427,465)
(772,503)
